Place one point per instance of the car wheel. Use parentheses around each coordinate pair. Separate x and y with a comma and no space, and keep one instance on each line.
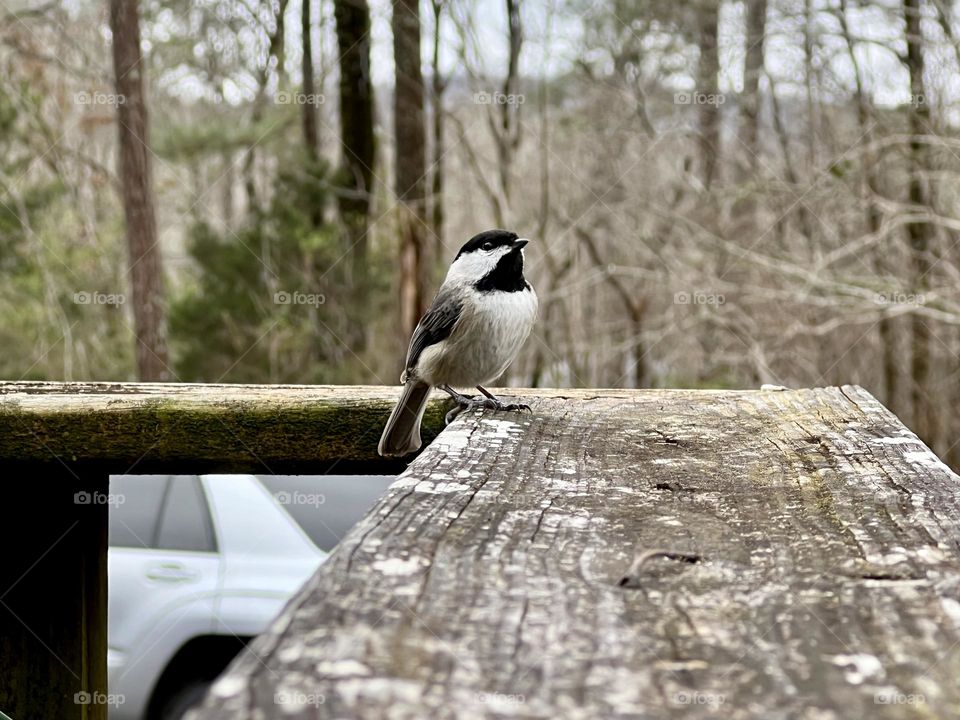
(183,699)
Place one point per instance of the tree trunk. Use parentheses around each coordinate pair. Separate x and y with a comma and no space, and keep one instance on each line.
(146,270)
(309,115)
(871,183)
(308,110)
(510,111)
(356,123)
(752,70)
(275,49)
(436,164)
(228,182)
(749,172)
(706,91)
(812,118)
(919,233)
(410,151)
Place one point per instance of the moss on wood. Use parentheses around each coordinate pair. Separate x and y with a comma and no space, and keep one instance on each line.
(273,430)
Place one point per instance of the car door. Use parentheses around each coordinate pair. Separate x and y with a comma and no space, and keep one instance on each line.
(163,575)
(266,555)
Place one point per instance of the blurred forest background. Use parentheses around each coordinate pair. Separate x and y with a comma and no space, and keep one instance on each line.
(721,193)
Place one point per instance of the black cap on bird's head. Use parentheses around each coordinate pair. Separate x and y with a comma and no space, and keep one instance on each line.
(490,240)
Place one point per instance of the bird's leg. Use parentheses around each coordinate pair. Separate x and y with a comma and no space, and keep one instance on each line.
(494,403)
(458,398)
(464,402)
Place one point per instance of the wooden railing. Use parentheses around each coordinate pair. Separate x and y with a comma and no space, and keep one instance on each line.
(611,554)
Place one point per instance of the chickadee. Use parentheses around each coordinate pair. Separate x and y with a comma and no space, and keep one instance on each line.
(480,318)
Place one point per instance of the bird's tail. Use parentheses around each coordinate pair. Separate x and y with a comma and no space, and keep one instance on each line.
(401,436)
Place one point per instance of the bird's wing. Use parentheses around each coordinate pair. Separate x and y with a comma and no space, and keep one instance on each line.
(435,325)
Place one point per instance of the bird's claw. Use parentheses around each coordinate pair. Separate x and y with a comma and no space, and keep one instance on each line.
(452,414)
(516,407)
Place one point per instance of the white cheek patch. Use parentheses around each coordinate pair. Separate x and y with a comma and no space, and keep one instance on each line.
(470,267)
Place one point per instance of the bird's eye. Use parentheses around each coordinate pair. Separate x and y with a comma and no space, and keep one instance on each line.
(488,246)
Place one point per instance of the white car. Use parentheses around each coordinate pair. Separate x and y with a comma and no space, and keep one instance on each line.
(197,566)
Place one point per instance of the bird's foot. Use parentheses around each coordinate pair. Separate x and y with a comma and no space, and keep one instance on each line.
(497,404)
(468,403)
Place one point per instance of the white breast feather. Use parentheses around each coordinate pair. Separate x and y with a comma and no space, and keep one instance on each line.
(486,339)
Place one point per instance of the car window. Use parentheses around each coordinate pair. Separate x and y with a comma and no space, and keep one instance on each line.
(326,506)
(135,510)
(185,523)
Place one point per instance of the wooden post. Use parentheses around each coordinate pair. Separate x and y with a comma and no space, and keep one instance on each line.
(53,596)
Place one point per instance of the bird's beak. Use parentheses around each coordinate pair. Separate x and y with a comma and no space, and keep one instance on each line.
(520,243)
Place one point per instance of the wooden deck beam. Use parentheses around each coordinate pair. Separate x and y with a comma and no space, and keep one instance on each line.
(816,571)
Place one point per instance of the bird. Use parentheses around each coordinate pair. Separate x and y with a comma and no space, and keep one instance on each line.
(480,318)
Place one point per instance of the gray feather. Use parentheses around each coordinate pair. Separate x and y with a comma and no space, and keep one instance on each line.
(435,325)
(401,436)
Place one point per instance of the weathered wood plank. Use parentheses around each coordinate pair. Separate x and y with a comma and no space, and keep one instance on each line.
(118,427)
(487,581)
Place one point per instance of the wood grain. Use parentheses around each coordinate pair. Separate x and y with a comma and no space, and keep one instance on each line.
(818,571)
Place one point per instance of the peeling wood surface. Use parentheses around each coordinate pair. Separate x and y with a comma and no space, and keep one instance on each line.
(817,571)
(169,428)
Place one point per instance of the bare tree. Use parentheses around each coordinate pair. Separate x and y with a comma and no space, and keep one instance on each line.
(503,120)
(356,123)
(708,70)
(311,139)
(146,270)
(275,49)
(871,188)
(753,69)
(438,86)
(508,134)
(919,232)
(410,149)
(308,110)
